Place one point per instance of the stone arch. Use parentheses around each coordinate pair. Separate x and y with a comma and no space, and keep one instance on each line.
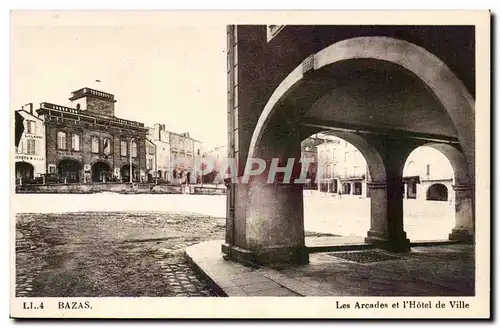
(463,189)
(24,170)
(444,84)
(346,188)
(457,160)
(437,191)
(101,171)
(69,169)
(125,172)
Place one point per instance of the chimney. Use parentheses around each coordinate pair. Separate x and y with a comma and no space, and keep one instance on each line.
(31,107)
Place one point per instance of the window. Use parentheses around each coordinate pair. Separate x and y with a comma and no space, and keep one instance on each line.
(198,152)
(355,171)
(75,142)
(106,147)
(133,149)
(61,140)
(31,146)
(30,126)
(95,145)
(123,148)
(428,169)
(150,163)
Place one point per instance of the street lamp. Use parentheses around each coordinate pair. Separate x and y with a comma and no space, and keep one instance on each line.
(130,160)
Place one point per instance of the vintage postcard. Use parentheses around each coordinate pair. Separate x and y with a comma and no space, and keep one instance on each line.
(213,165)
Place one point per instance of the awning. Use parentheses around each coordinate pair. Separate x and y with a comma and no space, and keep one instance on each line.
(19,128)
(415,179)
(352,178)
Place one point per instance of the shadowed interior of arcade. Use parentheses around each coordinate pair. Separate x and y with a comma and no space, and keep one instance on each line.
(384,96)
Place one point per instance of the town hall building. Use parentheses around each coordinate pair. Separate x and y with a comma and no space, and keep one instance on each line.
(88,143)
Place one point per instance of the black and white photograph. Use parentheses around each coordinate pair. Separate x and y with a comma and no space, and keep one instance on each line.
(188,157)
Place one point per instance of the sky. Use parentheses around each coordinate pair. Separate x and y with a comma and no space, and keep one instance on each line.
(160,70)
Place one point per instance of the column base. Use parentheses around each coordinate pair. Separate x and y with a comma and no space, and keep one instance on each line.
(389,243)
(266,256)
(462,235)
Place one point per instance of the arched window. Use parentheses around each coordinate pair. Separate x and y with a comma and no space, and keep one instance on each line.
(61,140)
(133,148)
(95,145)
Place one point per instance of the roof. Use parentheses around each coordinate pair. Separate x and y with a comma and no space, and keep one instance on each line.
(25,112)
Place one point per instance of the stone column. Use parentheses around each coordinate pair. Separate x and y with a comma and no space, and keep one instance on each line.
(386,231)
(464,222)
(275,223)
(386,197)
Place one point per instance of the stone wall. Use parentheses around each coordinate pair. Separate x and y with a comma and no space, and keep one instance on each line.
(124,188)
(209,191)
(80,188)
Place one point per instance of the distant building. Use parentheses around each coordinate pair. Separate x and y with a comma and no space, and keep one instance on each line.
(87,142)
(217,158)
(428,175)
(176,154)
(30,160)
(151,168)
(342,168)
(310,153)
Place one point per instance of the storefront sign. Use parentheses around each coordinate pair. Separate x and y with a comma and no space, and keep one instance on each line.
(32,136)
(28,158)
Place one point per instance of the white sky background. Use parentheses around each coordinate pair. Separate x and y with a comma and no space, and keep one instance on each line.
(159,71)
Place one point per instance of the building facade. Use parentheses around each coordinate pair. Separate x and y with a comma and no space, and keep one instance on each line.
(215,160)
(342,168)
(151,168)
(309,153)
(176,153)
(428,175)
(88,143)
(29,157)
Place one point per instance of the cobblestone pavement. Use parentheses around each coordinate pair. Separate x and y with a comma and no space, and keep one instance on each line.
(98,254)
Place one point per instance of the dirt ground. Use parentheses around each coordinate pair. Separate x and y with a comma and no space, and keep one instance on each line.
(97,254)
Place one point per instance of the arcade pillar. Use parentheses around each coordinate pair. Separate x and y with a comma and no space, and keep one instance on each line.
(386,197)
(464,219)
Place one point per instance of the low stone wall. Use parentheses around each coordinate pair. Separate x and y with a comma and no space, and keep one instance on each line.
(209,191)
(166,189)
(80,188)
(122,188)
